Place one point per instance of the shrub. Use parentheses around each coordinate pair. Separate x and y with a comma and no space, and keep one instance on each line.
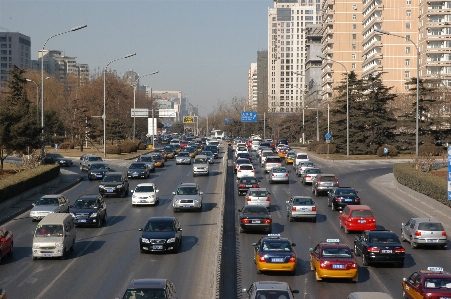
(392,151)
(321,148)
(64,145)
(113,149)
(141,146)
(430,149)
(127,146)
(313,145)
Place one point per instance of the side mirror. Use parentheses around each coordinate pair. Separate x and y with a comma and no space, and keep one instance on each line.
(157,190)
(310,250)
(404,279)
(341,212)
(295,291)
(201,193)
(33,204)
(173,193)
(293,244)
(180,229)
(140,229)
(402,224)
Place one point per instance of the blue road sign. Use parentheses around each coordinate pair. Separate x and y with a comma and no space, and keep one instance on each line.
(328,136)
(249,117)
(385,150)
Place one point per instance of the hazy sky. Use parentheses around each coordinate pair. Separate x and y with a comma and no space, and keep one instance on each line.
(203,48)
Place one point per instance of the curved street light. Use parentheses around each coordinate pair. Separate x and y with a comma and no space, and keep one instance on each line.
(42,81)
(104,100)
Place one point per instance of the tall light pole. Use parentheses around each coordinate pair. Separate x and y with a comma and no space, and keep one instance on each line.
(37,100)
(104,100)
(347,101)
(134,101)
(42,82)
(303,118)
(417,116)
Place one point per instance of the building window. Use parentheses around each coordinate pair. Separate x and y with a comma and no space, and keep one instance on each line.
(406,86)
(353,55)
(407,25)
(354,6)
(408,2)
(407,61)
(354,17)
(353,66)
(407,74)
(354,26)
(407,50)
(408,13)
(354,46)
(354,36)
(408,37)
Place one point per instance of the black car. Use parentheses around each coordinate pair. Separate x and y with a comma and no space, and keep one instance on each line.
(97,170)
(54,158)
(150,288)
(340,197)
(245,183)
(379,246)
(255,217)
(89,210)
(138,170)
(114,183)
(244,156)
(161,234)
(213,149)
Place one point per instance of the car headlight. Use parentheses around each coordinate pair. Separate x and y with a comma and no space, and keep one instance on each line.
(144,240)
(93,215)
(73,215)
(171,240)
(134,196)
(35,245)
(119,186)
(59,245)
(101,187)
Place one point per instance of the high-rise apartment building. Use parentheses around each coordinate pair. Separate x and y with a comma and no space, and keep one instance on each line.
(262,81)
(313,45)
(15,49)
(287,21)
(341,42)
(252,87)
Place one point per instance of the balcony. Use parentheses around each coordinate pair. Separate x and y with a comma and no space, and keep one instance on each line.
(375,44)
(329,43)
(376,19)
(372,70)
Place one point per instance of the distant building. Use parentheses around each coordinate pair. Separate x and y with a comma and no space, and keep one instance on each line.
(262,80)
(15,49)
(252,87)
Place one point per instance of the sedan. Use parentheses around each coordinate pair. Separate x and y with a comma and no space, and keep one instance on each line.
(238,162)
(6,243)
(340,197)
(183,158)
(357,218)
(161,234)
(379,247)
(245,170)
(255,218)
(258,196)
(97,170)
(48,204)
(279,175)
(302,166)
(244,156)
(309,175)
(148,160)
(144,194)
(55,158)
(245,183)
(138,170)
(209,155)
(301,207)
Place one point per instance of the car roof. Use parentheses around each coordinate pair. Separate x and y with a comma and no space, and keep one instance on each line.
(89,196)
(147,283)
(359,207)
(161,219)
(188,185)
(271,285)
(52,196)
(258,189)
(146,184)
(425,219)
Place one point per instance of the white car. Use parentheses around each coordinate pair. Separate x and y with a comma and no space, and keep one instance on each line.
(145,194)
(241,149)
(245,170)
(301,157)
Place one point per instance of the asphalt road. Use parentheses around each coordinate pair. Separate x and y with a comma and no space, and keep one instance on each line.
(306,234)
(105,259)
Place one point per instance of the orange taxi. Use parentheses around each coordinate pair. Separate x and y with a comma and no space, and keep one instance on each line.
(273,253)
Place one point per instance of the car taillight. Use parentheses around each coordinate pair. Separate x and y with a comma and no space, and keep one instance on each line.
(293,208)
(417,233)
(323,265)
(253,170)
(352,265)
(444,234)
(245,221)
(268,198)
(261,258)
(248,199)
(239,170)
(373,249)
(286,174)
(337,199)
(357,199)
(256,186)
(267,221)
(398,250)
(242,186)
(313,208)
(272,174)
(308,176)
(292,259)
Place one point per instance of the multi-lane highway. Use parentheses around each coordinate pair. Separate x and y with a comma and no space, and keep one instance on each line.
(107,258)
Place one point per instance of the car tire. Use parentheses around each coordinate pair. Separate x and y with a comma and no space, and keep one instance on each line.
(259,272)
(356,253)
(89,178)
(290,219)
(333,206)
(443,247)
(174,210)
(316,193)
(269,231)
(293,273)
(34,258)
(63,256)
(364,260)
(413,245)
(314,219)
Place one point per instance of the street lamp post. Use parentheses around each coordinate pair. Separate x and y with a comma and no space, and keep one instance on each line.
(37,100)
(418,82)
(104,100)
(42,82)
(134,101)
(347,101)
(303,106)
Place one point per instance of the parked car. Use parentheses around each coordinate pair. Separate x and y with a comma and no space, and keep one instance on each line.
(97,170)
(144,194)
(309,175)
(279,175)
(424,232)
(6,243)
(161,234)
(47,204)
(187,197)
(89,210)
(150,288)
(114,183)
(340,197)
(255,218)
(148,160)
(258,196)
(323,183)
(245,183)
(379,246)
(301,207)
(55,158)
(357,218)
(138,170)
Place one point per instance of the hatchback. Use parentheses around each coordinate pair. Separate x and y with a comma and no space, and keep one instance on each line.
(357,218)
(245,170)
(424,231)
(279,175)
(258,196)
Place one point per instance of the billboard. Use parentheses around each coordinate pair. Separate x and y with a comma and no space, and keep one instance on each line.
(188,119)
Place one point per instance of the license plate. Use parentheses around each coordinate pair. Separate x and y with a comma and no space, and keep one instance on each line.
(338,266)
(82,220)
(186,206)
(431,240)
(135,174)
(255,221)
(47,255)
(303,209)
(143,200)
(362,221)
(157,246)
(445,297)
(277,260)
(109,191)
(386,251)
(327,184)
(348,199)
(248,186)
(99,175)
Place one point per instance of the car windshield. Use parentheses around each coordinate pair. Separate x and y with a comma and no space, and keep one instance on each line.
(43,201)
(95,159)
(138,166)
(49,230)
(200,161)
(303,201)
(430,226)
(187,191)
(384,238)
(362,213)
(255,210)
(302,157)
(258,193)
(159,227)
(146,159)
(336,252)
(144,294)
(144,189)
(313,171)
(158,158)
(276,246)
(437,283)
(98,166)
(207,153)
(346,192)
(272,294)
(84,203)
(112,178)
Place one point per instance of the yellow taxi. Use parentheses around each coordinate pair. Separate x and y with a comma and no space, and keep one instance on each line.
(273,253)
(177,148)
(158,159)
(331,259)
(191,150)
(430,283)
(289,158)
(170,152)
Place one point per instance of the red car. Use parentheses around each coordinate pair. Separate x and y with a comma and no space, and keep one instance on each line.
(430,283)
(6,242)
(357,218)
(184,143)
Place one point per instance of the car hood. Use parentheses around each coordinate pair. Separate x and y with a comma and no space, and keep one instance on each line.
(136,170)
(109,184)
(200,165)
(143,194)
(46,240)
(44,208)
(84,211)
(98,171)
(158,235)
(191,197)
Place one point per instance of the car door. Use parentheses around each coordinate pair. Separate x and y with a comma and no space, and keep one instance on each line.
(413,285)
(344,215)
(315,257)
(100,207)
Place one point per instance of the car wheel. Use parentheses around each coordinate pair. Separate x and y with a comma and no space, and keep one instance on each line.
(269,230)
(89,178)
(404,295)
(259,272)
(316,193)
(174,210)
(311,267)
(339,223)
(34,258)
(333,206)
(356,253)
(364,261)
(63,256)
(293,273)
(443,247)
(81,168)
(355,279)
(317,277)
(290,218)
(412,243)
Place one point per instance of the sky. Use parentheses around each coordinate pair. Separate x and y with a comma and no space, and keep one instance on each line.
(202,47)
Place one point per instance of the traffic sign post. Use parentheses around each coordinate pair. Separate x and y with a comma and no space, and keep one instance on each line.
(328,136)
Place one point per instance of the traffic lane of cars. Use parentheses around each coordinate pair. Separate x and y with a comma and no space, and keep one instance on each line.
(121,234)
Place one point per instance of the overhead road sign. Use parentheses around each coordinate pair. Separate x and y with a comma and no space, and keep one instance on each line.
(188,119)
(140,112)
(249,117)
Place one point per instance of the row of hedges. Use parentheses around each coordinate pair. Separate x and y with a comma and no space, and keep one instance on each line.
(422,182)
(126,146)
(26,180)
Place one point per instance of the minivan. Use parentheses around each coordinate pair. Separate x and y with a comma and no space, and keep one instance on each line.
(54,236)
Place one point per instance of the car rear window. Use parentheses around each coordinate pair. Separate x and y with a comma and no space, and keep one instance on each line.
(249,180)
(362,213)
(246,167)
(302,156)
(273,160)
(279,170)
(430,226)
(313,171)
(328,179)
(384,238)
(258,193)
(303,201)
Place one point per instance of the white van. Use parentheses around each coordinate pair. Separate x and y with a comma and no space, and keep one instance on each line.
(54,236)
(301,157)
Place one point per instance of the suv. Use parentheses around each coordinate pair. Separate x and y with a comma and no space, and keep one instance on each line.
(87,160)
(89,210)
(187,197)
(301,157)
(324,183)
(150,288)
(340,197)
(114,183)
(272,161)
(200,165)
(266,289)
(424,231)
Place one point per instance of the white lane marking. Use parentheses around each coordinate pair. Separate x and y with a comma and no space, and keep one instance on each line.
(7,280)
(278,214)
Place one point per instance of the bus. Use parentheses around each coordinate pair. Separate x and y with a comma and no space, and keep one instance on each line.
(217,134)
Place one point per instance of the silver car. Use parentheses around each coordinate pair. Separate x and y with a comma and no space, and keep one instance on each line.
(301,207)
(48,204)
(183,158)
(258,196)
(209,155)
(187,197)
(302,166)
(309,175)
(279,175)
(424,231)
